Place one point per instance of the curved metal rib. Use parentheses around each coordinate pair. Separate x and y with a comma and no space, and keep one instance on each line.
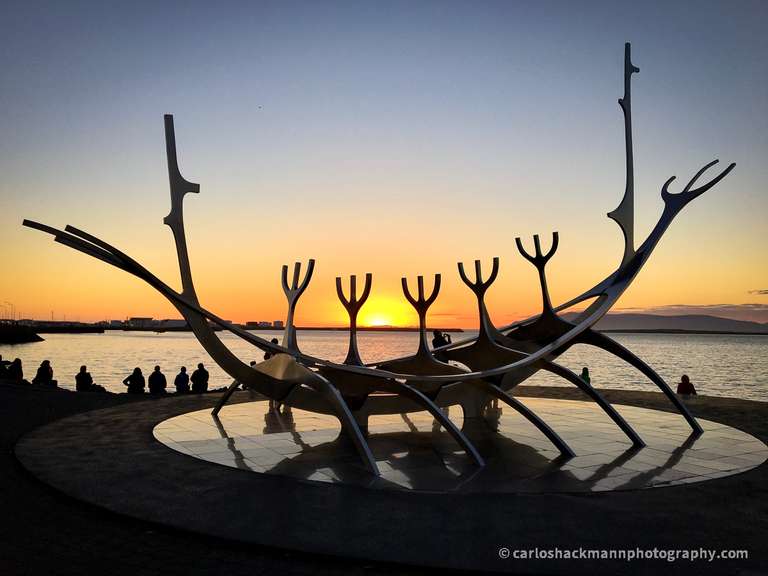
(598,398)
(447,423)
(225,397)
(348,423)
(531,416)
(610,345)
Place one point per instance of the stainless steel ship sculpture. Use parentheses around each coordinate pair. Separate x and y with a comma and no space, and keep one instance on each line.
(470,372)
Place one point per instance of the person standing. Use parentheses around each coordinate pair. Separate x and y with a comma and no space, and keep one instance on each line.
(135,382)
(200,379)
(181,382)
(585,375)
(157,383)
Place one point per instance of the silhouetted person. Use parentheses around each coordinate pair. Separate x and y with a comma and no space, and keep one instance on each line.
(585,375)
(156,381)
(199,380)
(44,375)
(440,339)
(83,380)
(181,382)
(16,372)
(685,386)
(268,354)
(135,382)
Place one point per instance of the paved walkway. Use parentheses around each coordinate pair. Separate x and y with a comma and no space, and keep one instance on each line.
(44,532)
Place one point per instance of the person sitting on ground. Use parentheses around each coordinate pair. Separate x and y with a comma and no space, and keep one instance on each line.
(440,339)
(157,383)
(268,354)
(15,372)
(84,382)
(685,386)
(135,382)
(585,375)
(181,382)
(44,375)
(200,380)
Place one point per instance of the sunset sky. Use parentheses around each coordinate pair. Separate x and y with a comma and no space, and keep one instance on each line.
(388,137)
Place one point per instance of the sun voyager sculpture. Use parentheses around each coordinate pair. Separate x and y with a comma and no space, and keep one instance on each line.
(469,372)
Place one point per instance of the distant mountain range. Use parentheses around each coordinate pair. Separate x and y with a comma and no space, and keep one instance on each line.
(685,323)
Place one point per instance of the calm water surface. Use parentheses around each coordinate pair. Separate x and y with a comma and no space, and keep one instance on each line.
(718,365)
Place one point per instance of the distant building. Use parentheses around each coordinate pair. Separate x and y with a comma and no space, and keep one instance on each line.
(172,323)
(140,322)
(256,324)
(116,323)
(278,324)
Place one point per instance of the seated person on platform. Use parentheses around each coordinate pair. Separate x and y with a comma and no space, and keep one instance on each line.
(135,382)
(83,380)
(157,383)
(44,375)
(685,386)
(200,380)
(182,381)
(15,372)
(268,354)
(440,339)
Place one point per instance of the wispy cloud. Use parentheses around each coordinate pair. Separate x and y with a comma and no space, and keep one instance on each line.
(760,292)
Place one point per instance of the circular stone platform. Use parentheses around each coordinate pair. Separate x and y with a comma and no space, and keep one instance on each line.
(414,453)
(431,507)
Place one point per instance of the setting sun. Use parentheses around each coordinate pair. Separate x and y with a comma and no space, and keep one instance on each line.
(387,311)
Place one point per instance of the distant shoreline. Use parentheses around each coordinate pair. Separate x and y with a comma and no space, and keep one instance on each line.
(680,331)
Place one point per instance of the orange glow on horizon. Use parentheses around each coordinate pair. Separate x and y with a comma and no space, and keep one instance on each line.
(385,311)
(378,321)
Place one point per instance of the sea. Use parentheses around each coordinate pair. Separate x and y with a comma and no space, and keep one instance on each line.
(735,366)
